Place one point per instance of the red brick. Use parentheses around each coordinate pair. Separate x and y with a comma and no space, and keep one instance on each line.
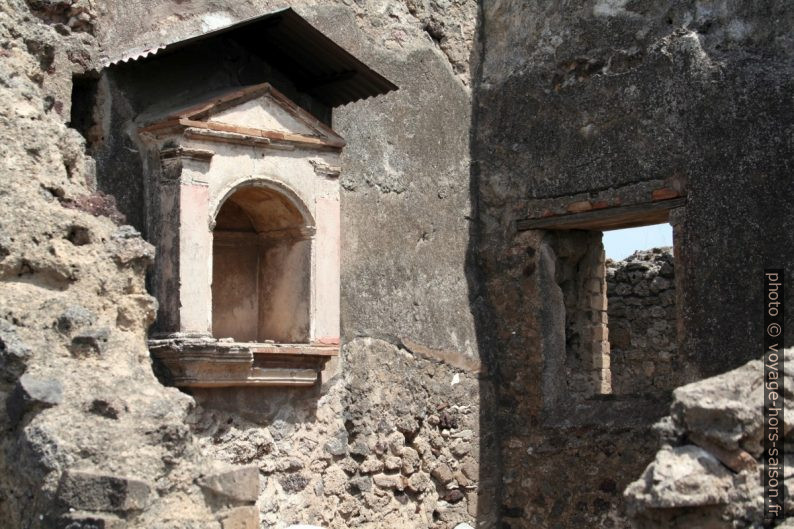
(664,194)
(578,207)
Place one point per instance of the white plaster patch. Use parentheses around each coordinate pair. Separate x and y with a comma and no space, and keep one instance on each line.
(213,21)
(610,8)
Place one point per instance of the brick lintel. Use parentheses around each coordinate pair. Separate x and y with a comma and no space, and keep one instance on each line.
(605,219)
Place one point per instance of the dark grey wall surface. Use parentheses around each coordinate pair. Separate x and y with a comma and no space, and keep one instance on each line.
(592,96)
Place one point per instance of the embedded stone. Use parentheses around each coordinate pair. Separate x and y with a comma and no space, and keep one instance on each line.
(396,442)
(419,482)
(237,484)
(371,466)
(360,484)
(93,491)
(685,476)
(293,483)
(13,353)
(389,481)
(410,461)
(453,496)
(240,518)
(462,480)
(90,342)
(359,448)
(407,425)
(460,448)
(74,317)
(334,482)
(337,446)
(392,463)
(442,473)
(128,248)
(31,394)
(90,520)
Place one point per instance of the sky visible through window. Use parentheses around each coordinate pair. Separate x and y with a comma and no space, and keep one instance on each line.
(619,244)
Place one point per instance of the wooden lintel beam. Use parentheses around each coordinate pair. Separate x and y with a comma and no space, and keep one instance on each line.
(605,219)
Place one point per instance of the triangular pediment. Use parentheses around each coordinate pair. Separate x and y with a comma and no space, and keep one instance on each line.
(264,113)
(258,111)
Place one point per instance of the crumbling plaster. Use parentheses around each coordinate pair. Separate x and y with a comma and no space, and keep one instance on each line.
(605,98)
(597,104)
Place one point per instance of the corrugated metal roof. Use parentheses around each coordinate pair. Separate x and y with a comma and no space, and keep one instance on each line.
(315,63)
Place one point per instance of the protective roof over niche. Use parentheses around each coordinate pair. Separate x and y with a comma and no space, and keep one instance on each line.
(315,63)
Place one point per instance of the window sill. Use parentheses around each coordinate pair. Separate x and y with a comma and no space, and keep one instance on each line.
(206,362)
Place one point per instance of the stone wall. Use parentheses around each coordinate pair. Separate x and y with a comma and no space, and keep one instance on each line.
(706,473)
(594,102)
(393,432)
(642,322)
(89,436)
(550,431)
(394,443)
(598,104)
(581,276)
(406,215)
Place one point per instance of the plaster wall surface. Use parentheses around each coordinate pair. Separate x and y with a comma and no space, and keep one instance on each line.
(599,103)
(235,299)
(233,167)
(405,218)
(413,258)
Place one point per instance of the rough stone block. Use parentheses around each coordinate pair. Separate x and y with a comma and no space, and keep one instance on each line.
(723,411)
(594,286)
(470,468)
(293,483)
(442,473)
(237,484)
(92,491)
(90,342)
(32,394)
(600,333)
(419,482)
(89,520)
(371,466)
(13,353)
(460,448)
(396,442)
(600,316)
(128,248)
(601,360)
(686,476)
(601,348)
(602,381)
(410,461)
(389,481)
(620,336)
(240,518)
(337,446)
(598,302)
(360,484)
(74,317)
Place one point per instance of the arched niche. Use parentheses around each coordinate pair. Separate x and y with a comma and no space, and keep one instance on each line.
(261,267)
